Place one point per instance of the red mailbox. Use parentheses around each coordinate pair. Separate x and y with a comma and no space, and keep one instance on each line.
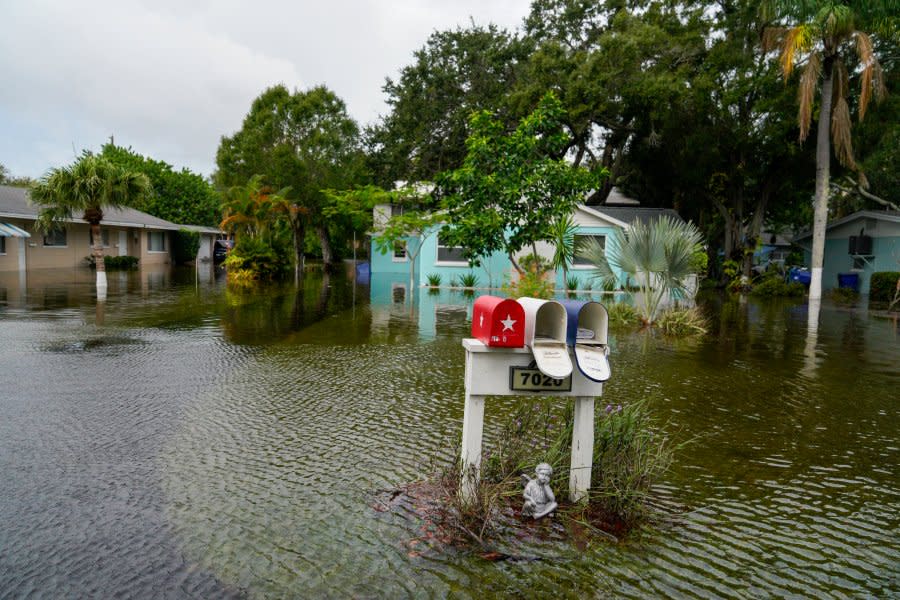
(498,322)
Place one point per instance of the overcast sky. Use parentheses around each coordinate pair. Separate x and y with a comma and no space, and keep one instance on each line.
(170,77)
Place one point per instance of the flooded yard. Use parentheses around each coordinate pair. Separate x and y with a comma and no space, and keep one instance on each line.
(185,439)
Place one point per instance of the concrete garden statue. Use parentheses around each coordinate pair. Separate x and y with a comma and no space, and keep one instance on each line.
(539,498)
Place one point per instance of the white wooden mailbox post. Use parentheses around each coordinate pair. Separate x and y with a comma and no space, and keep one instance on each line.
(492,371)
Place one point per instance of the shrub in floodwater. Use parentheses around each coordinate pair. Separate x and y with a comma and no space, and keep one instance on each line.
(884,287)
(434,279)
(844,296)
(622,315)
(631,454)
(529,285)
(253,259)
(467,280)
(572,283)
(774,285)
(112,263)
(682,321)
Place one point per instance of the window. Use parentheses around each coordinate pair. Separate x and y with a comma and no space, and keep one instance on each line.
(104,238)
(156,241)
(582,241)
(447,253)
(400,251)
(2,245)
(57,237)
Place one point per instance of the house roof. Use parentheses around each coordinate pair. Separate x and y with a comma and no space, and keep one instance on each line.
(617,198)
(623,216)
(891,216)
(14,203)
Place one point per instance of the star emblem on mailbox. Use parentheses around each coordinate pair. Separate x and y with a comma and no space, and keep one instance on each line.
(508,323)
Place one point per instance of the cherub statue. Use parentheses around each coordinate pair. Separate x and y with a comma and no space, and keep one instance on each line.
(539,498)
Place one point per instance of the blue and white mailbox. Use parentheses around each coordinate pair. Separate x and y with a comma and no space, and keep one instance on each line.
(587,334)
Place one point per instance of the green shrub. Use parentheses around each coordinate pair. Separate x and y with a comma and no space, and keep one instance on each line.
(572,283)
(252,259)
(529,285)
(682,322)
(185,245)
(883,286)
(621,314)
(844,296)
(115,263)
(774,285)
(434,279)
(532,263)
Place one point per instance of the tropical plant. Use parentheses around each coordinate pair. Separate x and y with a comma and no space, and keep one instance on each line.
(682,321)
(566,245)
(822,36)
(657,255)
(572,284)
(86,188)
(434,279)
(467,280)
(621,314)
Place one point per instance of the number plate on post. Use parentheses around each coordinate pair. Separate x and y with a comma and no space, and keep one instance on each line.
(529,379)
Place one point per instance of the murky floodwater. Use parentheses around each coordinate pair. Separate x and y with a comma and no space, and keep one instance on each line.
(186,440)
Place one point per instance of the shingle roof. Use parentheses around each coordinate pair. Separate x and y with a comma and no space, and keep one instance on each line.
(628,214)
(14,204)
(884,215)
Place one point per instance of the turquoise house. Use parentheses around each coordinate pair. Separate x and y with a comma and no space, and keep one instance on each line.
(428,254)
(863,243)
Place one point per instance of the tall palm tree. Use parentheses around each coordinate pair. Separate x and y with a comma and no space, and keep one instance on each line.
(822,35)
(86,188)
(658,256)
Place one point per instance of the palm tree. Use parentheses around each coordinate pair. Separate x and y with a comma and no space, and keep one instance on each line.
(566,246)
(822,35)
(87,187)
(658,256)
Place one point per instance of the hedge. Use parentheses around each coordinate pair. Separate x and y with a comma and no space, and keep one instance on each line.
(883,286)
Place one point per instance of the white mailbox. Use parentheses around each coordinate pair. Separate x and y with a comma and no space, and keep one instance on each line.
(545,334)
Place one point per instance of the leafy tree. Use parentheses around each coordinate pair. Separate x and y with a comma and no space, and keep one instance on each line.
(454,74)
(512,185)
(658,256)
(304,141)
(824,34)
(6,178)
(178,196)
(86,188)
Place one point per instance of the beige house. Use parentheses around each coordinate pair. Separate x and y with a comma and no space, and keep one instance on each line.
(124,231)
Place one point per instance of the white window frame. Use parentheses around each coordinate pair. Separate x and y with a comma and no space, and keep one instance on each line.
(62,231)
(576,266)
(400,245)
(448,263)
(162,235)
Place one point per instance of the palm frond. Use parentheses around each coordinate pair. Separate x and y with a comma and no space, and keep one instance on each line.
(840,133)
(595,254)
(797,39)
(807,91)
(773,37)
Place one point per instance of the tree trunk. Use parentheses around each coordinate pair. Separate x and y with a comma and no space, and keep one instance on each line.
(299,230)
(324,242)
(820,206)
(97,253)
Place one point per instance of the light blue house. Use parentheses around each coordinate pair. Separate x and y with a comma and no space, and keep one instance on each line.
(428,254)
(863,243)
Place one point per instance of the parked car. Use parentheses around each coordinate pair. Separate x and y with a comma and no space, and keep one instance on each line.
(220,251)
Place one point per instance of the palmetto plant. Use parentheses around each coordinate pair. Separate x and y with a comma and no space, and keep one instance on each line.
(822,36)
(656,255)
(565,244)
(86,188)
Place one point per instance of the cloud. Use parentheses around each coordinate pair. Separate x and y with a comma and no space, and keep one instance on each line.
(170,77)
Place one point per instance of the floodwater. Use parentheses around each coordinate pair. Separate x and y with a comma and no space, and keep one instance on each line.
(184,439)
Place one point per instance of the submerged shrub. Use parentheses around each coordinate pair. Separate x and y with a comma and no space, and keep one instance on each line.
(631,453)
(113,263)
(434,279)
(774,285)
(467,280)
(529,285)
(621,314)
(884,287)
(682,322)
(252,259)
(844,296)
